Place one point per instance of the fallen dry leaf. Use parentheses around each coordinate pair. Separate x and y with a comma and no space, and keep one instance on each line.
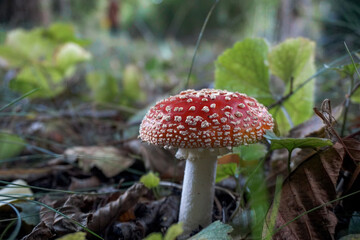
(229,158)
(79,208)
(109,160)
(310,185)
(155,216)
(104,216)
(77,183)
(12,192)
(41,231)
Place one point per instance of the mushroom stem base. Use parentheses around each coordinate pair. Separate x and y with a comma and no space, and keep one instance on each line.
(198,192)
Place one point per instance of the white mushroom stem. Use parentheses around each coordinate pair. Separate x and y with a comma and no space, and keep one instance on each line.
(197,195)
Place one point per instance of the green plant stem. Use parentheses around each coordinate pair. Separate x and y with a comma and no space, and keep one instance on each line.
(350,92)
(289,162)
(241,192)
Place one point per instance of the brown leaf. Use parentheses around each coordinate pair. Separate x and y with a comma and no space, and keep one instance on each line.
(109,160)
(72,209)
(156,216)
(229,158)
(41,231)
(312,184)
(77,183)
(104,216)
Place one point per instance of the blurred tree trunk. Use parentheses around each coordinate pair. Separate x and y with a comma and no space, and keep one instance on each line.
(15,13)
(293,19)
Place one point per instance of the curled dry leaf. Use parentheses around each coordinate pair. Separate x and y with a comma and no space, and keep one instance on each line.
(312,184)
(156,216)
(79,208)
(41,231)
(109,160)
(107,214)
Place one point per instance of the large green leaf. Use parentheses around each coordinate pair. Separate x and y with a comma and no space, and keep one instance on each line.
(294,59)
(244,68)
(216,230)
(290,59)
(31,44)
(49,81)
(70,54)
(13,57)
(224,171)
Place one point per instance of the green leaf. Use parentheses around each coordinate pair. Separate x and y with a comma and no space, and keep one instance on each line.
(154,236)
(226,170)
(251,152)
(29,212)
(258,197)
(70,54)
(347,70)
(31,44)
(63,32)
(74,236)
(354,226)
(291,143)
(174,231)
(294,59)
(150,180)
(131,83)
(289,59)
(171,234)
(244,68)
(104,87)
(216,230)
(11,145)
(351,237)
(49,81)
(13,57)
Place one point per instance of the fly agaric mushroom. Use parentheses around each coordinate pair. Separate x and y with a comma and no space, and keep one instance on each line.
(202,125)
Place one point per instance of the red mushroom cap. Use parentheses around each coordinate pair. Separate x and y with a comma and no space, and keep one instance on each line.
(207,118)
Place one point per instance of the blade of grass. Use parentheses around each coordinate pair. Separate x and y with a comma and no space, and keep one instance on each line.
(18,99)
(18,224)
(199,40)
(274,210)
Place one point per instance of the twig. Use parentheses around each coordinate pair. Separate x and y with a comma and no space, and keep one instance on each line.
(326,67)
(284,98)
